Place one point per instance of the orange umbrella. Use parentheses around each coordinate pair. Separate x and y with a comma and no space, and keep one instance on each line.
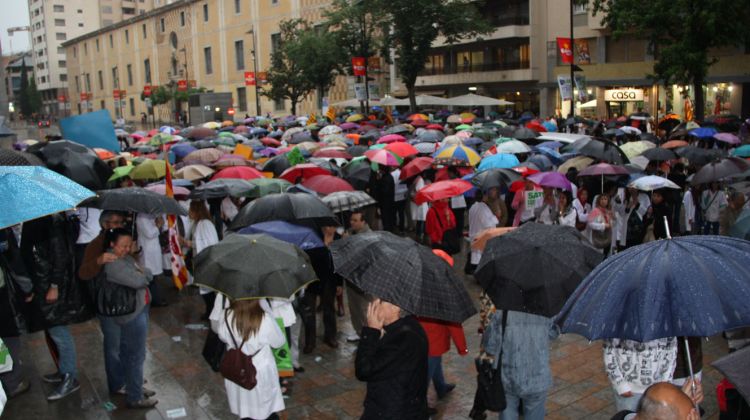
(673,144)
(480,241)
(103,154)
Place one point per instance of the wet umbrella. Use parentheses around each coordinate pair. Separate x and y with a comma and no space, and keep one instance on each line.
(652,183)
(660,154)
(332,154)
(403,150)
(120,172)
(415,167)
(180,193)
(459,154)
(277,165)
(430,136)
(183,149)
(326,184)
(149,169)
(727,138)
(698,155)
(613,132)
(495,178)
(703,132)
(384,157)
(513,146)
(391,138)
(13,158)
(674,144)
(524,133)
(358,173)
(498,161)
(303,171)
(535,268)
(597,149)
(742,151)
(355,151)
(603,169)
(30,192)
(304,209)
(426,148)
(401,271)
(301,236)
(223,188)
(398,129)
(442,189)
(541,161)
(238,172)
(204,156)
(253,266)
(348,200)
(635,148)
(199,133)
(551,180)
(194,172)
(736,367)
(74,161)
(135,199)
(266,186)
(716,171)
(230,160)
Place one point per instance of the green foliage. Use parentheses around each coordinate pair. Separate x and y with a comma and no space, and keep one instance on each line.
(161,95)
(29,100)
(356,28)
(683,34)
(183,96)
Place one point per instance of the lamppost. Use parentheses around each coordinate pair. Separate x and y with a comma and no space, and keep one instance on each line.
(254,55)
(187,79)
(118,105)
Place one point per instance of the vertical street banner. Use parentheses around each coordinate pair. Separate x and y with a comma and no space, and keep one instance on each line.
(566,88)
(182,85)
(580,80)
(359,66)
(180,274)
(250,78)
(582,51)
(566,50)
(147,91)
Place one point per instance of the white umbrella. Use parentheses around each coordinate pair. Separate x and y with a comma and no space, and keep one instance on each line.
(513,147)
(471,99)
(652,182)
(329,129)
(589,104)
(630,130)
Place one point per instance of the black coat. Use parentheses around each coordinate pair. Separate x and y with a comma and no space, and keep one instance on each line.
(395,369)
(47,248)
(16,287)
(658,212)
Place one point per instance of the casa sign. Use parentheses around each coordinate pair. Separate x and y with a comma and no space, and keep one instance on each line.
(623,95)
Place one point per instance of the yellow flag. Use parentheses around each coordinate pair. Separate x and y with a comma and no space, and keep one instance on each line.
(331,114)
(312,119)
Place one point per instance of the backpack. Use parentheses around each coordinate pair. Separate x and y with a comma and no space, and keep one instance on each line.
(236,366)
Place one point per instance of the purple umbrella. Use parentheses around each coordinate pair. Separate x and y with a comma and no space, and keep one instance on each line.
(268,152)
(727,138)
(604,169)
(349,126)
(551,180)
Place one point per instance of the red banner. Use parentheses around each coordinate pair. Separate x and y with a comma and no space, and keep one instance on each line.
(180,274)
(61,98)
(116,94)
(84,96)
(249,78)
(182,85)
(262,77)
(359,66)
(566,50)
(147,90)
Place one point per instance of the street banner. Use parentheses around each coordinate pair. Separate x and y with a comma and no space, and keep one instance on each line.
(182,85)
(250,78)
(116,94)
(566,89)
(147,90)
(262,77)
(566,52)
(359,66)
(583,95)
(582,51)
(180,274)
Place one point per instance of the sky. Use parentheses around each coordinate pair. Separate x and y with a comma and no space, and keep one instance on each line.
(15,13)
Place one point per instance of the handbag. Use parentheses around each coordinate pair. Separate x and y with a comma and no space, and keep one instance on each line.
(113,299)
(490,393)
(237,366)
(451,241)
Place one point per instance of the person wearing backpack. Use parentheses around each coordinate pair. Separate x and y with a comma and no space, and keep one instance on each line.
(250,328)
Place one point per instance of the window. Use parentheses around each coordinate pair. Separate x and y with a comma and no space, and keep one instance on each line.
(97,45)
(143,28)
(275,42)
(58,8)
(80,25)
(107,22)
(106,9)
(274,3)
(127,36)
(205,12)
(78,84)
(86,48)
(239,54)
(43,79)
(115,79)
(132,107)
(147,70)
(63,77)
(242,99)
(237,6)
(59,22)
(182,18)
(60,36)
(61,50)
(101,104)
(75,52)
(101,80)
(79,11)
(207,59)
(111,41)
(129,69)
(161,24)
(579,9)
(88,82)
(128,10)
(62,63)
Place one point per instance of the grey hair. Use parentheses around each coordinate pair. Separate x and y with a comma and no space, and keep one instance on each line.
(649,409)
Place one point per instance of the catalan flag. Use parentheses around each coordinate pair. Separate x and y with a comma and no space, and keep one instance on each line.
(331,114)
(180,274)
(312,119)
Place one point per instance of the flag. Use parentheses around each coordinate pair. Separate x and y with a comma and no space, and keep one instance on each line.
(331,114)
(566,50)
(180,275)
(312,119)
(388,115)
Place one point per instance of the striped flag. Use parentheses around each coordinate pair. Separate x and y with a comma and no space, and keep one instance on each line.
(312,119)
(331,114)
(388,115)
(180,274)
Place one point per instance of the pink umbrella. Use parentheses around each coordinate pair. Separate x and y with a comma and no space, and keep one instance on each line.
(727,138)
(391,138)
(349,126)
(327,184)
(602,169)
(551,180)
(384,157)
(238,172)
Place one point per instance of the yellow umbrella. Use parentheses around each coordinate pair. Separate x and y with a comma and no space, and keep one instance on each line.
(467,116)
(213,125)
(355,118)
(422,117)
(227,123)
(149,169)
(578,162)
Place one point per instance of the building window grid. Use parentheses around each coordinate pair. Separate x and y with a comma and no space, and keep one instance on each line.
(239,54)
(129,69)
(205,12)
(207,60)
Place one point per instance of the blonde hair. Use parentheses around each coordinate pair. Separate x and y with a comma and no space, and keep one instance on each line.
(247,317)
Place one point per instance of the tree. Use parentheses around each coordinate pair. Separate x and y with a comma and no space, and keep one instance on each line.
(317,56)
(29,100)
(356,28)
(183,96)
(681,34)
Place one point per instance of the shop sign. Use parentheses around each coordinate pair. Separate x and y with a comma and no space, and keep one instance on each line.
(623,95)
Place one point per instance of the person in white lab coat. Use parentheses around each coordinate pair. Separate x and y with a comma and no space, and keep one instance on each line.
(202,234)
(481,218)
(418,212)
(148,228)
(251,324)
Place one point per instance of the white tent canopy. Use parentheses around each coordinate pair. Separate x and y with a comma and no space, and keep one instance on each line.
(471,99)
(589,104)
(422,100)
(347,103)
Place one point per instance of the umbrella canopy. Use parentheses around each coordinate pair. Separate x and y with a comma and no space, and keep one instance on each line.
(10,157)
(230,160)
(238,172)
(402,149)
(149,169)
(194,172)
(674,144)
(223,188)
(265,186)
(384,157)
(472,100)
(442,189)
(551,180)
(426,148)
(495,178)
(135,199)
(348,200)
(301,236)
(277,165)
(74,161)
(660,154)
(524,133)
(652,183)
(535,267)
(181,150)
(332,154)
(391,138)
(635,148)
(205,156)
(457,153)
(358,173)
(430,136)
(303,171)
(120,172)
(295,208)
(604,169)
(698,155)
(597,149)
(736,367)
(199,133)
(498,161)
(415,167)
(180,193)
(742,151)
(691,286)
(327,184)
(31,192)
(716,171)
(727,138)
(403,272)
(253,266)
(513,146)
(703,132)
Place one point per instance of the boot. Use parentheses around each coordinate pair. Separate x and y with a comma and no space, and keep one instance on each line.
(68,386)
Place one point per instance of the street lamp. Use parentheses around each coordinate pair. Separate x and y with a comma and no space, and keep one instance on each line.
(255,71)
(118,106)
(187,80)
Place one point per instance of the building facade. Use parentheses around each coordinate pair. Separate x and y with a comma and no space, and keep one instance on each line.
(53,22)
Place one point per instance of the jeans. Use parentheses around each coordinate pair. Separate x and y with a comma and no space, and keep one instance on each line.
(435,373)
(111,331)
(627,403)
(133,354)
(533,406)
(401,214)
(710,228)
(66,349)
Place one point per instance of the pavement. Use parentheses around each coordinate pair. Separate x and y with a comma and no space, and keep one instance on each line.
(187,388)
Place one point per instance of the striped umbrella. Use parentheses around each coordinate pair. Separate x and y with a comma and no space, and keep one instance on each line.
(384,157)
(457,153)
(348,200)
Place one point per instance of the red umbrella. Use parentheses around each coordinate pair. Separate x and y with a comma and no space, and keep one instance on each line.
(238,172)
(442,189)
(268,141)
(434,127)
(332,154)
(303,171)
(536,126)
(419,123)
(443,175)
(525,171)
(153,132)
(327,184)
(402,149)
(391,138)
(415,167)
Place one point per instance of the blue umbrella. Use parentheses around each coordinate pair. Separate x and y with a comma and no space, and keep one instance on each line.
(552,154)
(182,149)
(703,132)
(31,192)
(302,236)
(550,126)
(498,161)
(541,161)
(741,227)
(473,141)
(550,144)
(258,132)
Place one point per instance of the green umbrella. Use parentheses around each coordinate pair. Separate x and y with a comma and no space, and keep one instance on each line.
(253,267)
(463,127)
(225,141)
(501,140)
(150,169)
(267,186)
(377,146)
(121,172)
(159,139)
(226,134)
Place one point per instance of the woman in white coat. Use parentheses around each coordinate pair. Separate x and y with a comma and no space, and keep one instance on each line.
(251,323)
(418,212)
(202,235)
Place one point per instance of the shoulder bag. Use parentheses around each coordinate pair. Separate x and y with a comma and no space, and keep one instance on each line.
(113,299)
(236,366)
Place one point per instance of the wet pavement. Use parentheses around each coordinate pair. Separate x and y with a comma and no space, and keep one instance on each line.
(187,388)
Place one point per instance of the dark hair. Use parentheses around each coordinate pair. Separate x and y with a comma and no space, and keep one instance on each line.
(198,208)
(107,214)
(112,235)
(569,196)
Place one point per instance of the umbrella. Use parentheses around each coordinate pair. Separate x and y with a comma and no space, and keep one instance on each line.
(230,160)
(652,183)
(703,132)
(415,167)
(391,138)
(10,157)
(597,149)
(326,184)
(535,267)
(727,138)
(398,129)
(457,153)
(194,172)
(736,367)
(199,133)
(513,146)
(358,173)
(742,151)
(120,172)
(149,169)
(253,266)
(349,126)
(303,171)
(74,161)
(403,272)
(355,151)
(536,126)
(498,161)
(180,193)
(523,133)
(716,171)
(301,236)
(426,148)
(674,144)
(613,132)
(603,169)
(181,150)
(495,178)
(577,162)
(741,227)
(135,199)
(354,118)
(402,149)
(265,186)
(219,188)
(442,189)
(348,200)
(551,180)
(295,208)
(630,130)
(332,154)
(277,165)
(635,148)
(691,286)
(660,154)
(541,161)
(30,192)
(698,155)
(430,136)
(238,172)
(384,157)
(204,156)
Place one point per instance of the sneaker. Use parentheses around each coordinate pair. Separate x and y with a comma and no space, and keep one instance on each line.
(53,378)
(144,403)
(22,387)
(68,386)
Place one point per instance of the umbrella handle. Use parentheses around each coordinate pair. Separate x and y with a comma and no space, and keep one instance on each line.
(669,235)
(689,359)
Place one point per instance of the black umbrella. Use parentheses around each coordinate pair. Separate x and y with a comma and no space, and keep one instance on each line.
(660,154)
(649,137)
(524,133)
(403,272)
(358,174)
(203,144)
(397,129)
(135,199)
(296,208)
(736,367)
(222,188)
(252,267)
(277,165)
(369,137)
(495,178)
(10,157)
(506,131)
(698,155)
(301,137)
(74,161)
(357,150)
(430,136)
(598,149)
(716,171)
(536,267)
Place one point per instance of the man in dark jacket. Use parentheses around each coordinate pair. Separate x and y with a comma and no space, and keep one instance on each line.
(383,191)
(47,250)
(392,359)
